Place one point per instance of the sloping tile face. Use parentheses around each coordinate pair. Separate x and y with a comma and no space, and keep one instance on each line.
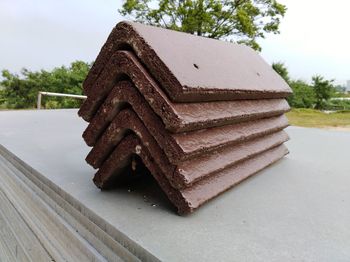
(191,68)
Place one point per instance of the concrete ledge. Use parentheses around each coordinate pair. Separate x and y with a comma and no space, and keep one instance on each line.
(298,209)
(85,225)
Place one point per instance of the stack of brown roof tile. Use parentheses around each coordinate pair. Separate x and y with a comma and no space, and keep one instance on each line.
(201,114)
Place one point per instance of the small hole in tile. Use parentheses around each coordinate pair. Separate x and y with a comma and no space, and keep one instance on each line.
(196,66)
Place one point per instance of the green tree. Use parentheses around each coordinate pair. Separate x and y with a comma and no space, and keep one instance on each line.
(324,90)
(20,91)
(303,95)
(340,89)
(242,21)
(282,70)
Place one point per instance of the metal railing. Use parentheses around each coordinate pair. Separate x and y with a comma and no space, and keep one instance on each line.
(340,98)
(40,94)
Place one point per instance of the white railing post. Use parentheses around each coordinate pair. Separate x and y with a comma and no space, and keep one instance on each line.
(39,101)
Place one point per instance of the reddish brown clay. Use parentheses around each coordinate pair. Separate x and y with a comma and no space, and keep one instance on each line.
(177,117)
(181,174)
(188,199)
(191,68)
(174,144)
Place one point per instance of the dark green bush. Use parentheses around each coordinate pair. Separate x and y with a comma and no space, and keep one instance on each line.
(338,105)
(303,95)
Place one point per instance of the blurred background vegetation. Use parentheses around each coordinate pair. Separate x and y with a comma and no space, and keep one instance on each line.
(320,94)
(20,91)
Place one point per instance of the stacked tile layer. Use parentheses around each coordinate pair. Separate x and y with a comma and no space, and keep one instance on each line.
(200,114)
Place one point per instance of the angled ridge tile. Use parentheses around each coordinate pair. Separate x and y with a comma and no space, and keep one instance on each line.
(174,145)
(213,70)
(187,199)
(181,174)
(177,117)
(200,114)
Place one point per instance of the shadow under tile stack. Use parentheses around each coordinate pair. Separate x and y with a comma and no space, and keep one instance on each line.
(200,114)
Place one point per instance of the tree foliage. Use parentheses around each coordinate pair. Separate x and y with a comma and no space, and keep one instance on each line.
(324,90)
(340,89)
(282,70)
(20,91)
(304,95)
(242,21)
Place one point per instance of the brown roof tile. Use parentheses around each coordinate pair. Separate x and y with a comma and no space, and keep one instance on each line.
(182,146)
(178,117)
(182,173)
(187,199)
(192,68)
(201,114)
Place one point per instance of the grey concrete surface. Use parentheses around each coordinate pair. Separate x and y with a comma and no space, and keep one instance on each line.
(296,210)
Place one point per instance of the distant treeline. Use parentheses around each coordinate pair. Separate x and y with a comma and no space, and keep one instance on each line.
(316,95)
(21,91)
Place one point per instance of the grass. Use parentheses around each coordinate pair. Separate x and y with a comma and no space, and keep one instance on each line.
(315,118)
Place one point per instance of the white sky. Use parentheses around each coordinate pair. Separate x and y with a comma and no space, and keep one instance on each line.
(38,34)
(314,39)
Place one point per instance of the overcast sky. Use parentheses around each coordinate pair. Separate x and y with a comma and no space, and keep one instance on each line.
(38,34)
